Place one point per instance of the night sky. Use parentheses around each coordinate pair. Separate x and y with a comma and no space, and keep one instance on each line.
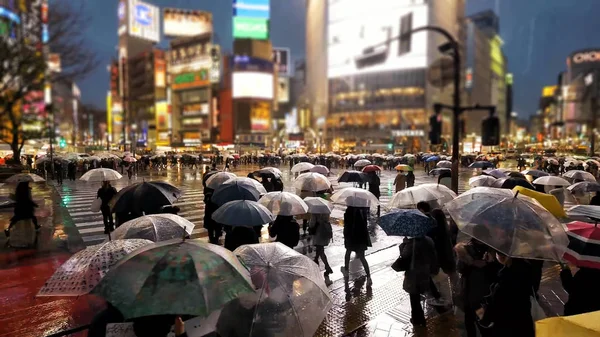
(538,36)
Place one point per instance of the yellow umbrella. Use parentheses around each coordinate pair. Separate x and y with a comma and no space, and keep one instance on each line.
(547,200)
(584,325)
(403,167)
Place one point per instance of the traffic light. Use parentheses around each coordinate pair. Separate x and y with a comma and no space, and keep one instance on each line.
(435,129)
(490,131)
(62,143)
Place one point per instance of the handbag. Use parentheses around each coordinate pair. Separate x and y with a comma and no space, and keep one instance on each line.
(537,313)
(401,264)
(96,204)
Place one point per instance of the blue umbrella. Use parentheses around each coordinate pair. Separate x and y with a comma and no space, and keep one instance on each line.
(406,222)
(482,165)
(432,158)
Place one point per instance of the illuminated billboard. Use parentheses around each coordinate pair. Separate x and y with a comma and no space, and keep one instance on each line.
(144,21)
(260,116)
(163,118)
(183,22)
(281,57)
(283,89)
(258,9)
(252,85)
(192,79)
(250,28)
(362,36)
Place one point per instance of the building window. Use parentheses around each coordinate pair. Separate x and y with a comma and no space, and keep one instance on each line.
(405,35)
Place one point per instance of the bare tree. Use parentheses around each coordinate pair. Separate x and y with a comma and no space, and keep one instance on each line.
(23,71)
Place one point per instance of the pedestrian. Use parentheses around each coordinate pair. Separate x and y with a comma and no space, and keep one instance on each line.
(410,179)
(582,285)
(506,311)
(106,193)
(374,183)
(424,207)
(443,245)
(478,270)
(215,229)
(419,261)
(595,199)
(277,183)
(285,228)
(445,179)
(239,236)
(24,207)
(266,182)
(130,171)
(58,167)
(356,238)
(320,229)
(71,170)
(400,181)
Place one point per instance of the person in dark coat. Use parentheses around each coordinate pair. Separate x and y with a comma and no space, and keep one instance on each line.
(71,170)
(595,201)
(478,271)
(410,179)
(266,182)
(582,286)
(240,236)
(356,238)
(215,229)
(106,193)
(24,207)
(277,184)
(58,167)
(286,229)
(506,311)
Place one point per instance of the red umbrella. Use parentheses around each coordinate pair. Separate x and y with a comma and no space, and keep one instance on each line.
(584,244)
(371,168)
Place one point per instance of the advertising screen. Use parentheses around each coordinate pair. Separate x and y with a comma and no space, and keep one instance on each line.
(362,36)
(281,57)
(283,89)
(251,8)
(191,56)
(144,21)
(252,85)
(183,22)
(247,63)
(260,116)
(160,73)
(250,28)
(193,79)
(163,118)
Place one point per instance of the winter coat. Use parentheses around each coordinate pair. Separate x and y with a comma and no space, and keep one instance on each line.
(323,233)
(475,280)
(508,307)
(286,229)
(106,195)
(584,294)
(374,185)
(443,245)
(239,236)
(400,182)
(410,179)
(209,208)
(423,264)
(356,234)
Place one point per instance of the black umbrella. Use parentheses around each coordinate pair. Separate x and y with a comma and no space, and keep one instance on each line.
(517,175)
(482,165)
(511,182)
(207,175)
(439,171)
(236,189)
(353,177)
(146,197)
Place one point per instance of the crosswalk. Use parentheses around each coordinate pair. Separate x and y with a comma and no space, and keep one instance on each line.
(77,198)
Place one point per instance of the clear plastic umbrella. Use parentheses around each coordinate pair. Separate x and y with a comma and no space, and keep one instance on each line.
(243,213)
(101,174)
(318,205)
(275,171)
(579,175)
(583,187)
(551,181)
(283,203)
(435,194)
(362,163)
(215,180)
(301,167)
(312,181)
(320,169)
(444,164)
(84,270)
(25,177)
(155,227)
(496,173)
(511,223)
(357,197)
(292,298)
(479,181)
(535,173)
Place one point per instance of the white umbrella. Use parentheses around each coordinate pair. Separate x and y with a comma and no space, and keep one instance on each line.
(479,181)
(362,163)
(435,194)
(590,211)
(284,203)
(580,175)
(356,197)
(551,181)
(130,159)
(444,164)
(155,227)
(592,161)
(312,181)
(215,180)
(583,187)
(301,167)
(92,158)
(244,213)
(318,205)
(24,177)
(84,270)
(320,169)
(496,173)
(101,174)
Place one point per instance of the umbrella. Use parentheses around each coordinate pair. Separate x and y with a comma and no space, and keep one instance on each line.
(356,197)
(146,197)
(519,175)
(301,167)
(403,167)
(244,213)
(494,173)
(406,222)
(535,173)
(283,203)
(584,325)
(130,159)
(318,205)
(440,170)
(371,168)
(584,187)
(593,162)
(237,189)
(432,158)
(24,177)
(312,181)
(590,211)
(215,180)
(362,163)
(208,175)
(444,164)
(435,194)
(487,181)
(292,294)
(84,269)
(584,244)
(353,177)
(155,227)
(273,170)
(174,277)
(579,175)
(320,169)
(482,165)
(551,181)
(513,224)
(510,183)
(92,158)
(101,174)
(552,161)
(409,155)
(548,201)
